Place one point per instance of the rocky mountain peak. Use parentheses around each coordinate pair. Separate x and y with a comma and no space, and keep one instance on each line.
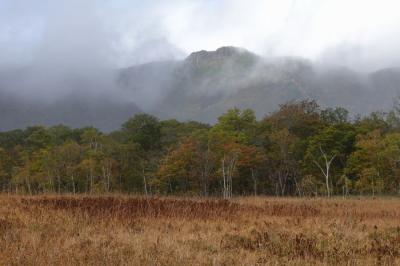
(221,54)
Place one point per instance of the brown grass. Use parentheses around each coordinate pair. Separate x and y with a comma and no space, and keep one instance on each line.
(121,230)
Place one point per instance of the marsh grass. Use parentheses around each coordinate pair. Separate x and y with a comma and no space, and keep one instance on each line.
(122,230)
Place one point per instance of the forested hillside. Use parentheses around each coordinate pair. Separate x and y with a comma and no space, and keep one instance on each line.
(300,149)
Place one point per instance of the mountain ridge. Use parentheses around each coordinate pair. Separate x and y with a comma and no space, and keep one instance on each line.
(198,87)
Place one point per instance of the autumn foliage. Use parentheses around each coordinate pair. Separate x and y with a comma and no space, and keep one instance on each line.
(299,150)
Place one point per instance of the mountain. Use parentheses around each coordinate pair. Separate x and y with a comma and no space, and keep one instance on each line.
(200,87)
(28,97)
(102,112)
(207,83)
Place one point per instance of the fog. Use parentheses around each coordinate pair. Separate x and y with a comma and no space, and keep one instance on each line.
(64,49)
(123,33)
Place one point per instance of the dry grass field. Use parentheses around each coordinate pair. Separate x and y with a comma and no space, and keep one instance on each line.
(121,230)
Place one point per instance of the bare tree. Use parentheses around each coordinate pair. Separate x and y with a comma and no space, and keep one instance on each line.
(206,169)
(325,170)
(144,179)
(107,173)
(255,180)
(228,169)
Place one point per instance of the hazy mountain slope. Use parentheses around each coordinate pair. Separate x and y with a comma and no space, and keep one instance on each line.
(76,101)
(102,112)
(205,84)
(201,87)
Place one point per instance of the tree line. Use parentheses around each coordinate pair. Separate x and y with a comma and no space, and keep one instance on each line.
(299,150)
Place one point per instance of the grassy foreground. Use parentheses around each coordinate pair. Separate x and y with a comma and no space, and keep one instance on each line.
(118,230)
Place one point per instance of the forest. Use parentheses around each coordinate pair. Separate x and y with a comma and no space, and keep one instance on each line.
(301,149)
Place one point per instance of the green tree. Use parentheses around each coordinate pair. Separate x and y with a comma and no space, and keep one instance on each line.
(336,115)
(5,169)
(145,130)
(241,124)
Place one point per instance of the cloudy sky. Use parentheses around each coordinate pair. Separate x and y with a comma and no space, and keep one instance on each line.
(356,33)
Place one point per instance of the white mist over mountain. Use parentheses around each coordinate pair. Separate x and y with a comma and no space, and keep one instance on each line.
(357,33)
(63,58)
